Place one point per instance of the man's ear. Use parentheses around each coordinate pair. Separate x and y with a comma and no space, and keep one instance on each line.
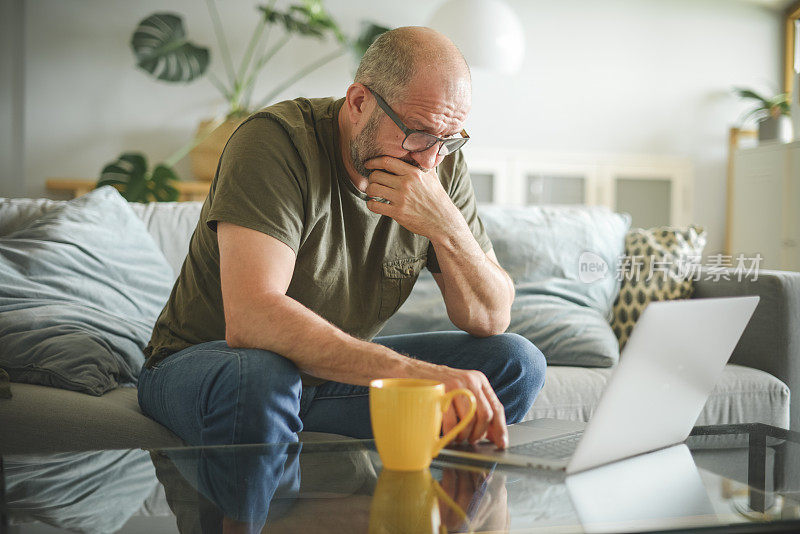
(356,101)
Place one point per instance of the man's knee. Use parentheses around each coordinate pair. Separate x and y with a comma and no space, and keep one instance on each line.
(528,360)
(253,398)
(522,374)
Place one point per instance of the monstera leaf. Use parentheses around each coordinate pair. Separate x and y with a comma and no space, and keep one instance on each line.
(369,32)
(129,172)
(309,19)
(161,49)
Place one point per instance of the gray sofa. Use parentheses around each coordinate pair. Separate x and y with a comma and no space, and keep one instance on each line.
(754,387)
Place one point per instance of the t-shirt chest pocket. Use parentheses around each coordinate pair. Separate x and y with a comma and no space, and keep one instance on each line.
(397,280)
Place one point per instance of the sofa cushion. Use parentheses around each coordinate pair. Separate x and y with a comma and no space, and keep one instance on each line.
(48,419)
(80,288)
(563,310)
(171,225)
(544,250)
(567,334)
(742,395)
(16,213)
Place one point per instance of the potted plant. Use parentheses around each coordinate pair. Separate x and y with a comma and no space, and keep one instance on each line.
(162,50)
(771,114)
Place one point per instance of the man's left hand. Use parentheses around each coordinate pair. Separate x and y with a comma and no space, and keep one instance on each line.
(417,200)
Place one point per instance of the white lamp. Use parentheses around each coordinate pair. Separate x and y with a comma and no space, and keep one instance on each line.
(488,33)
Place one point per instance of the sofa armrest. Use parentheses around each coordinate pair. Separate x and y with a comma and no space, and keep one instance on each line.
(771,340)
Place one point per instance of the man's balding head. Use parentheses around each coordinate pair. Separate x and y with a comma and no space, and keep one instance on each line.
(426,82)
(400,58)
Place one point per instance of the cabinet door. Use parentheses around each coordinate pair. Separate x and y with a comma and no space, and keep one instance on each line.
(556,182)
(491,176)
(654,191)
(758,197)
(483,183)
(791,209)
(551,188)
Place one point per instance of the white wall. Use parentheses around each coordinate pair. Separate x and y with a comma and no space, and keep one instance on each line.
(644,76)
(11,98)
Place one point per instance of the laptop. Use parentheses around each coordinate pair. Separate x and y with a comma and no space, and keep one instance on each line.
(674,356)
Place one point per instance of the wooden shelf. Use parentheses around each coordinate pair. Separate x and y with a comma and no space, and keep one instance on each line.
(80,186)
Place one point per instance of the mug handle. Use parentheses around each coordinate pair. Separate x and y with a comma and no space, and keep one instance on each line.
(446,400)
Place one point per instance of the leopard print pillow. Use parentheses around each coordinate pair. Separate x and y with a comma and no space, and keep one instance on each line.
(659,264)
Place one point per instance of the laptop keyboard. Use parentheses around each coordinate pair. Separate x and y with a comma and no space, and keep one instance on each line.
(551,448)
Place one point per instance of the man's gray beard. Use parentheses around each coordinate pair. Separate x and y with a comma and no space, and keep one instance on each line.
(364,147)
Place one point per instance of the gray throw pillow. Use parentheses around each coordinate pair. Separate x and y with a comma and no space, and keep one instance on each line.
(80,289)
(563,260)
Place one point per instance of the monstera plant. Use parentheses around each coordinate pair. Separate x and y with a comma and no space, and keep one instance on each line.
(140,185)
(162,50)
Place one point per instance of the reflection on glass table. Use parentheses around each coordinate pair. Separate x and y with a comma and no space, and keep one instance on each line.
(314,487)
(741,477)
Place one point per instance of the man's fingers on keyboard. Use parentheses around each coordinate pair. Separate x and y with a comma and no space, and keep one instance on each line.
(462,407)
(498,431)
(484,415)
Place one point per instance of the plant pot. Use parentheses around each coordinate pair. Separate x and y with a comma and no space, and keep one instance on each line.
(775,129)
(205,156)
(768,129)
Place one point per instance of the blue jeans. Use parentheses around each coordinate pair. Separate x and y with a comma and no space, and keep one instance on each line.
(245,484)
(211,394)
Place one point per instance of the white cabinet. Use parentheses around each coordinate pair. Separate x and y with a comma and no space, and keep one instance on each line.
(765,201)
(655,190)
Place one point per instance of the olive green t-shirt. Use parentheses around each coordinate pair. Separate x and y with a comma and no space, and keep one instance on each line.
(281,173)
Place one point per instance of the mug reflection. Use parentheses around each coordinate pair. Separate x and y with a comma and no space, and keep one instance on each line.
(415,502)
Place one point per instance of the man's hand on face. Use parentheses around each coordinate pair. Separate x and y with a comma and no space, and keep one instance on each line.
(417,200)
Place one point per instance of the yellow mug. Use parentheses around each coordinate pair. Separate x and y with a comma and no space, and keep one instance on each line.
(408,503)
(406,416)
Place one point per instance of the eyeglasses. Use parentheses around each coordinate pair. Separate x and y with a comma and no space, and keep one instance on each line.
(419,141)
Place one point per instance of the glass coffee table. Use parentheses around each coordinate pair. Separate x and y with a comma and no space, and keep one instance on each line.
(738,478)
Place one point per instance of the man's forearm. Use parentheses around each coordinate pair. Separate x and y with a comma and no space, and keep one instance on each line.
(282,325)
(478,292)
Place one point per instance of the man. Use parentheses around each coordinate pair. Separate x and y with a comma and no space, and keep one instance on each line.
(320,217)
